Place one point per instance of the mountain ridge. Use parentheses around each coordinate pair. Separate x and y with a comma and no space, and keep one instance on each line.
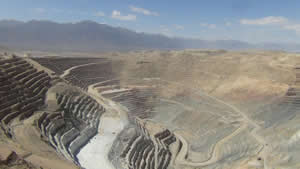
(88,35)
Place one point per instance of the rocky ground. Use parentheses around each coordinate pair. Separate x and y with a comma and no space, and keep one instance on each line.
(183,109)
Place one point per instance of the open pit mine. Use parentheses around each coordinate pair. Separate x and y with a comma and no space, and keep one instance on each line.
(190,109)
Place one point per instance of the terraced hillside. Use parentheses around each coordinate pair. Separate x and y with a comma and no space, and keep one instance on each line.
(211,101)
(59,64)
(86,75)
(23,90)
(150,148)
(156,110)
(73,124)
(38,108)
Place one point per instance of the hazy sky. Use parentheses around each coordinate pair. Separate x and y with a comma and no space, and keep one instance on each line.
(247,20)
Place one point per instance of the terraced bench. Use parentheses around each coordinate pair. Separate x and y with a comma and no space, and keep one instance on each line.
(46,120)
(87,111)
(134,152)
(4,112)
(22,93)
(169,140)
(35,79)
(41,90)
(29,77)
(146,155)
(7,87)
(66,130)
(10,96)
(10,61)
(163,134)
(9,117)
(23,66)
(17,71)
(23,98)
(80,107)
(68,137)
(108,83)
(152,161)
(41,119)
(140,152)
(5,66)
(25,74)
(76,82)
(4,94)
(8,103)
(10,69)
(20,62)
(43,81)
(55,126)
(13,60)
(81,140)
(29,109)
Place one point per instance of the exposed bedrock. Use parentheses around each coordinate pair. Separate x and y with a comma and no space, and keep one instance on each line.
(73,124)
(22,90)
(138,102)
(150,147)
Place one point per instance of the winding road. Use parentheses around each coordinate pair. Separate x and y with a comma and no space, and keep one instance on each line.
(216,152)
(181,160)
(68,71)
(112,122)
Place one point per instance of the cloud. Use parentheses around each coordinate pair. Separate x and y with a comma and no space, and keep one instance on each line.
(293,27)
(228,23)
(210,26)
(39,10)
(117,15)
(269,20)
(165,30)
(143,11)
(163,27)
(179,27)
(100,14)
(278,21)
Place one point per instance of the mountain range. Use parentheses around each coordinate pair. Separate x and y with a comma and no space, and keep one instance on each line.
(92,36)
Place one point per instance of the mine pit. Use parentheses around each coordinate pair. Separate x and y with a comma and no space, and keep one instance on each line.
(114,113)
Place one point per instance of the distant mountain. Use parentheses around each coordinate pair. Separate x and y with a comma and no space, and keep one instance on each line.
(82,36)
(9,23)
(218,44)
(292,47)
(92,36)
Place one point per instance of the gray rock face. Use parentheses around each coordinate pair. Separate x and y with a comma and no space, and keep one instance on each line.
(148,148)
(22,89)
(70,128)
